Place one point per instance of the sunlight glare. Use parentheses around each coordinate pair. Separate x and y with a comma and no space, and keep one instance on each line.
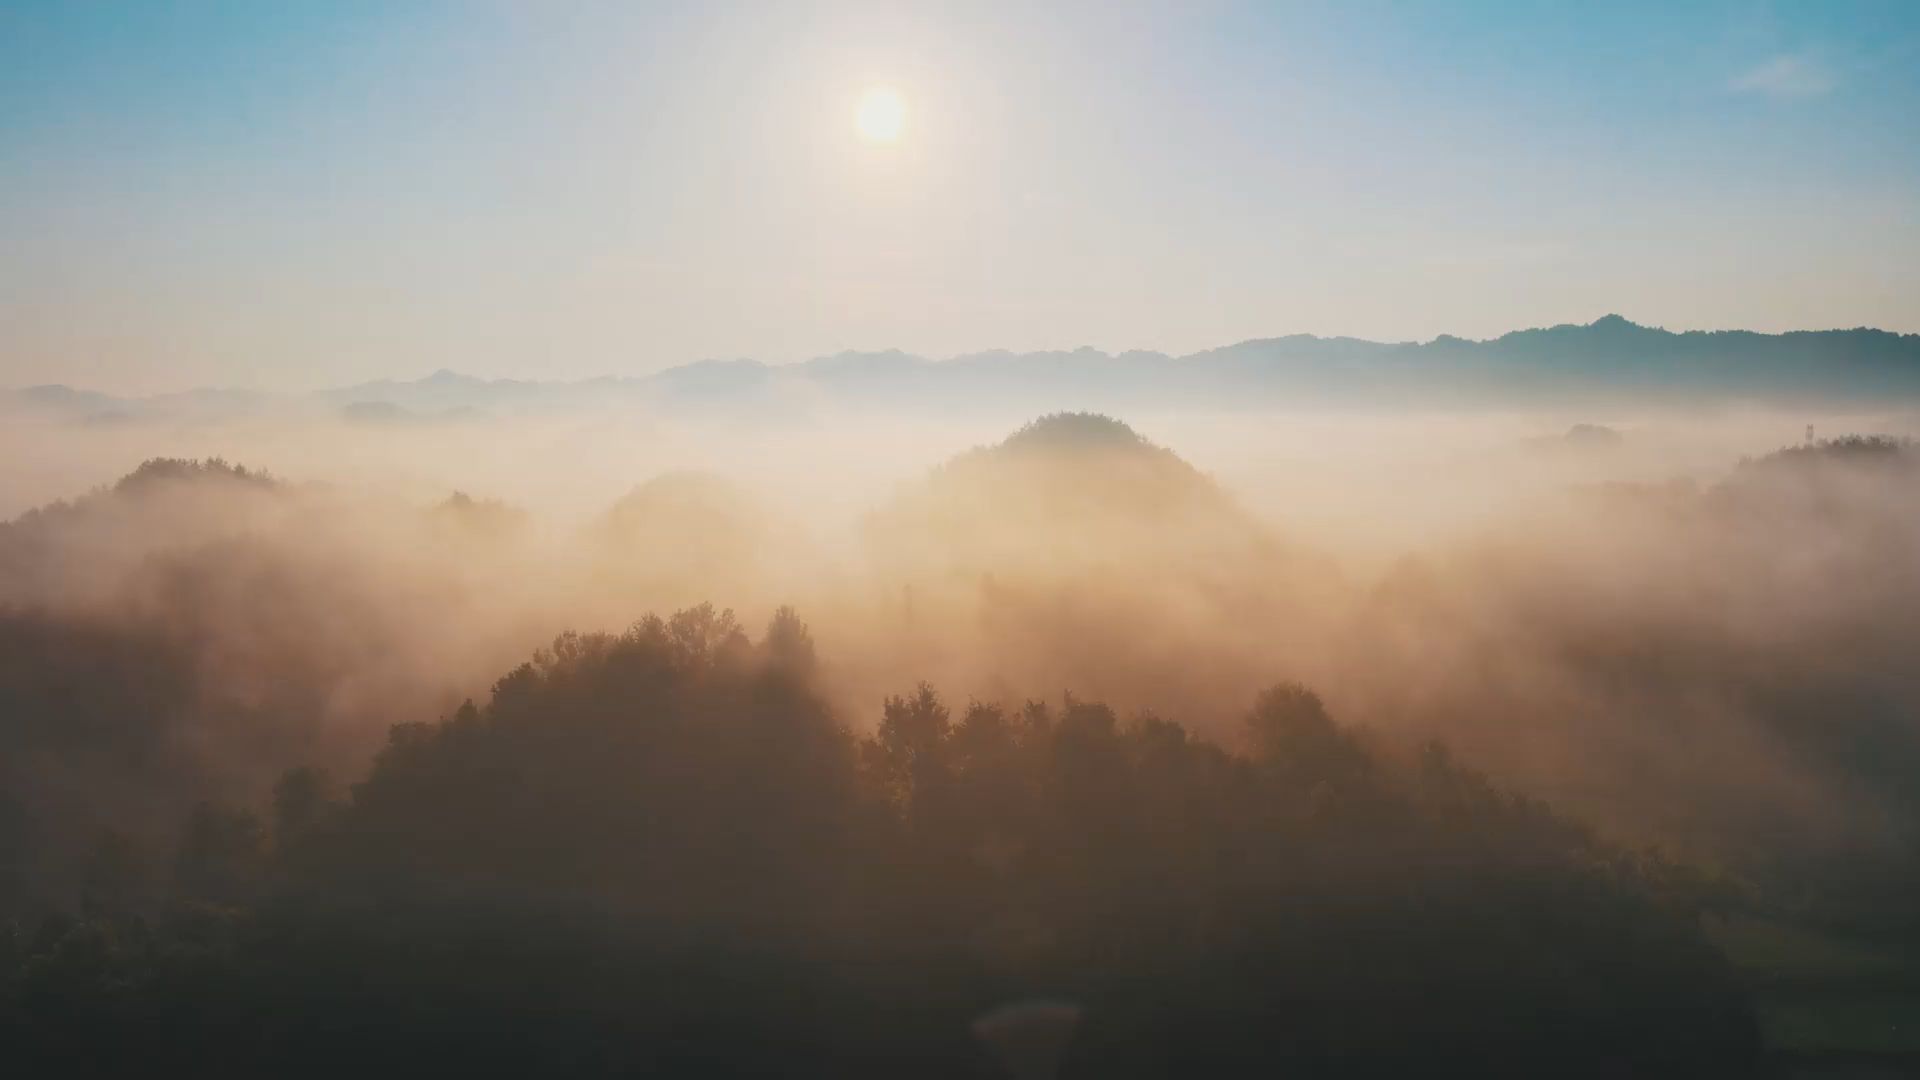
(881,115)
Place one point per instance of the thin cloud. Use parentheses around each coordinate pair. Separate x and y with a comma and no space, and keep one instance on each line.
(1785,77)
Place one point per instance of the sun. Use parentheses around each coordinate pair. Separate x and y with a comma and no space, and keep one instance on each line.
(881,115)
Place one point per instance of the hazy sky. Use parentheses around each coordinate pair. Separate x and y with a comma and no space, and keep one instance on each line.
(284,195)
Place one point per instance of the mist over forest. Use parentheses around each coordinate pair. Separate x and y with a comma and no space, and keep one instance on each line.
(960,539)
(477,728)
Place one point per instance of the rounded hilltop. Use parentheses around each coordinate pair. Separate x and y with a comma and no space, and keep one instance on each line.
(1078,442)
(1072,465)
(1075,431)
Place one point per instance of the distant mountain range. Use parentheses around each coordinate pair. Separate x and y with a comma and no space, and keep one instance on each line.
(1609,359)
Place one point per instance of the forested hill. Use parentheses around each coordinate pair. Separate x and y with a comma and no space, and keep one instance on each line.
(661,853)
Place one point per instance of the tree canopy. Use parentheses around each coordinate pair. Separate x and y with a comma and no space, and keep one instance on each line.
(660,852)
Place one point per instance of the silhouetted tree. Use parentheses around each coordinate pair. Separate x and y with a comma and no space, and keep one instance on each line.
(658,852)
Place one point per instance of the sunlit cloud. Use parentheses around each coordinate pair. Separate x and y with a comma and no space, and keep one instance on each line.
(1785,77)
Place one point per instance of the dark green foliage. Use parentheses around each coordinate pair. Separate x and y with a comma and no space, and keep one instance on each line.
(658,853)
(1845,450)
(1070,431)
(302,800)
(221,855)
(156,471)
(484,517)
(1059,450)
(85,757)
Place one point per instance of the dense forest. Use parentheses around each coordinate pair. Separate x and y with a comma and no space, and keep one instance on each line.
(1086,770)
(660,852)
(957,539)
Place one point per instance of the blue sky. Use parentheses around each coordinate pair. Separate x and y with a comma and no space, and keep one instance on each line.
(292,195)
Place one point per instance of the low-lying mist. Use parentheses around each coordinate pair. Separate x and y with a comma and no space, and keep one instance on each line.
(1084,738)
(1631,620)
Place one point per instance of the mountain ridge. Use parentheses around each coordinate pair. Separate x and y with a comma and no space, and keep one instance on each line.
(1611,355)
